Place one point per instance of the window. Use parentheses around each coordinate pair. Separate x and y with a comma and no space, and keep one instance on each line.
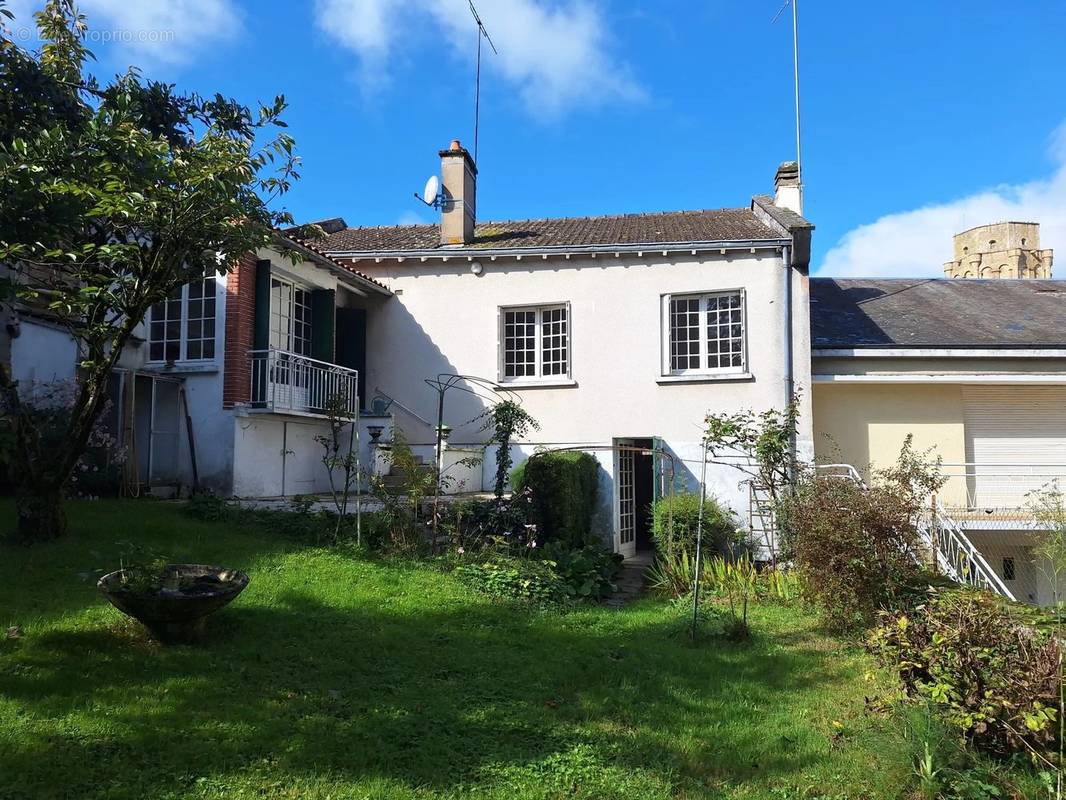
(536,343)
(1008,568)
(290,317)
(703,333)
(182,327)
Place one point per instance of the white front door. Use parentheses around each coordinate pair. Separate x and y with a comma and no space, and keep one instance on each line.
(625,493)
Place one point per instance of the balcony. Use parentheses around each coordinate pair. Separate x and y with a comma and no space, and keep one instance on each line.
(285,382)
(997,495)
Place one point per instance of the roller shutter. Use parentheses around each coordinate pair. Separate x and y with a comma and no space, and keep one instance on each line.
(1011,432)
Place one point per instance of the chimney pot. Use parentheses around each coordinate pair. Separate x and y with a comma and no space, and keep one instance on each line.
(455,145)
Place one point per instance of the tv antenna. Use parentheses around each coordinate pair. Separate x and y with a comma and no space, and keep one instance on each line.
(796,74)
(481,32)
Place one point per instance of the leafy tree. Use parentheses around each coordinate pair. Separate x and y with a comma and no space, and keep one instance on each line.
(112,195)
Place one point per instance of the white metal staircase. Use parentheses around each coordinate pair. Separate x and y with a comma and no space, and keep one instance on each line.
(949,548)
(955,555)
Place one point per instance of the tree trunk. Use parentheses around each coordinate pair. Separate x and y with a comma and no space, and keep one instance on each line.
(40,513)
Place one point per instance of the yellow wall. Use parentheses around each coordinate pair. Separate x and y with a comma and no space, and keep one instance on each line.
(865,425)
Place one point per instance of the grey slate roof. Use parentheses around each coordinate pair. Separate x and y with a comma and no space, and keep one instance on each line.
(939,313)
(719,225)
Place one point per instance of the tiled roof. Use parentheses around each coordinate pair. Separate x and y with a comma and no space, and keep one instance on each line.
(937,313)
(315,246)
(673,227)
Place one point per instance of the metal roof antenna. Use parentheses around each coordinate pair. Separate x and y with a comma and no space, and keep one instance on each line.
(477,80)
(796,74)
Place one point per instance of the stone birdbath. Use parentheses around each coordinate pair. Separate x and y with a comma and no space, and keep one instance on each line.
(173,604)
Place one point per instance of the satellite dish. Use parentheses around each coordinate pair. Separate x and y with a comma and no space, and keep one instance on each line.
(429,194)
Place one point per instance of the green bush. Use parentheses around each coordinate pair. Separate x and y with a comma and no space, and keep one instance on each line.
(995,680)
(857,545)
(563,489)
(588,572)
(520,578)
(675,522)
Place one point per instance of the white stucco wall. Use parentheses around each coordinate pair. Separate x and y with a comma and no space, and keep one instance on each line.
(445,319)
(42,353)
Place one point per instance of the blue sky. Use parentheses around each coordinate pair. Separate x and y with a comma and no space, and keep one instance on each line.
(919,118)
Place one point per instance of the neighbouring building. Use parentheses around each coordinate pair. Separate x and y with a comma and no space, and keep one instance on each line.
(976,371)
(224,386)
(1001,250)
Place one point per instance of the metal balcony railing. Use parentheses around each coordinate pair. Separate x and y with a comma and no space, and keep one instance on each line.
(283,381)
(998,489)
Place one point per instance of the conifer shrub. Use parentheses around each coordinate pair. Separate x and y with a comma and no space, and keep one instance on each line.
(563,489)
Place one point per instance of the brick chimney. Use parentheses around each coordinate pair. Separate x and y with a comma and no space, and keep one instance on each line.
(459,187)
(788,191)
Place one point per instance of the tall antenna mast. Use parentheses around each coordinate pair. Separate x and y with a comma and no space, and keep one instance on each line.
(796,75)
(477,80)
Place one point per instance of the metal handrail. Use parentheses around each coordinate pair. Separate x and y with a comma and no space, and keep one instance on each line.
(952,549)
(1002,486)
(956,555)
(285,381)
(393,401)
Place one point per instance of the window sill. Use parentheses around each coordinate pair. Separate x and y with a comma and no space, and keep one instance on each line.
(562,383)
(705,378)
(182,367)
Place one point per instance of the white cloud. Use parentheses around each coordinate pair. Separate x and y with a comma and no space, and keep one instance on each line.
(917,243)
(149,32)
(557,55)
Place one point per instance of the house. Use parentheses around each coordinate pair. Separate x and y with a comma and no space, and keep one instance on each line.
(225,384)
(617,333)
(973,369)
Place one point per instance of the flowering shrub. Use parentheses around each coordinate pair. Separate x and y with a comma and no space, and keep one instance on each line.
(996,680)
(498,523)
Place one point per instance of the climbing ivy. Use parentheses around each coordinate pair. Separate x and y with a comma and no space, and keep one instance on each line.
(507,420)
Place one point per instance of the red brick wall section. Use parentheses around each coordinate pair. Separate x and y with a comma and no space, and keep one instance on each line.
(240,324)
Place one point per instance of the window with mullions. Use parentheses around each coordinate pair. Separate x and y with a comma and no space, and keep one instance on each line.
(704,333)
(535,343)
(182,327)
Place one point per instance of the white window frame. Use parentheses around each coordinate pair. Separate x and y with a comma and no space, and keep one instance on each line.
(538,377)
(666,336)
(183,323)
(290,333)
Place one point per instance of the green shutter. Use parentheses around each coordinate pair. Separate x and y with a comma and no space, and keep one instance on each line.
(261,328)
(323,323)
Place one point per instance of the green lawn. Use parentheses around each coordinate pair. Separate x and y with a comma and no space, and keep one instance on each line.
(335,677)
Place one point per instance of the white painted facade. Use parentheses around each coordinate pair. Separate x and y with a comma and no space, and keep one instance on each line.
(444,318)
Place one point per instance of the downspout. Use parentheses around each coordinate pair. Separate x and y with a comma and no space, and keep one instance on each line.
(786,257)
(790,381)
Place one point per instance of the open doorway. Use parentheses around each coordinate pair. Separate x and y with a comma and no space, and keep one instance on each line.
(634,495)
